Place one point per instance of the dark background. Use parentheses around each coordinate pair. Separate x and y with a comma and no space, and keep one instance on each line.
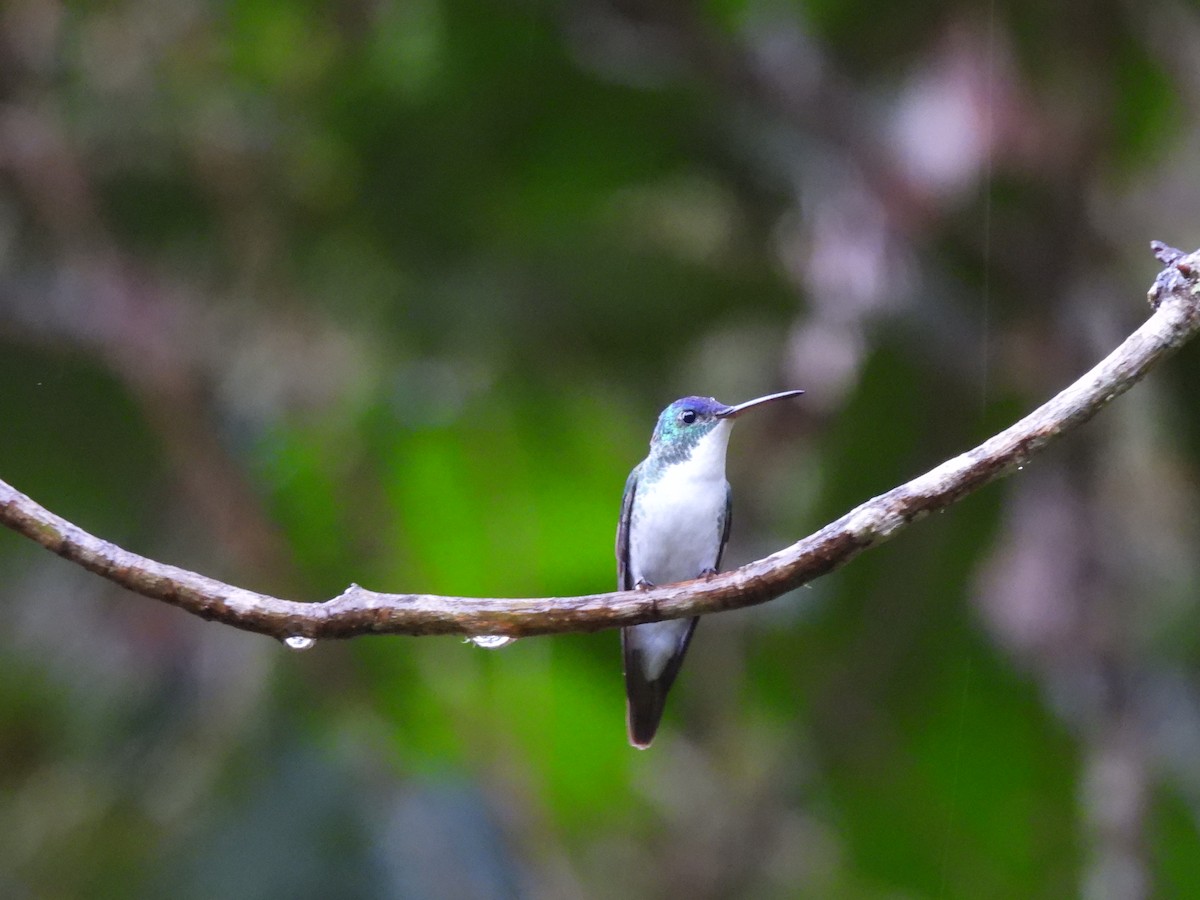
(297,294)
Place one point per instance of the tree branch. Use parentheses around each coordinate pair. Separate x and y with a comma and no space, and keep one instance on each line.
(1175,298)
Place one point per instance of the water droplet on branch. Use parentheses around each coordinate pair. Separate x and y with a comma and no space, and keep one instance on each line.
(491,641)
(299,642)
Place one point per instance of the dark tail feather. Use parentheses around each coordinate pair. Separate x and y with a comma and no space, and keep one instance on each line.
(644,709)
(647,699)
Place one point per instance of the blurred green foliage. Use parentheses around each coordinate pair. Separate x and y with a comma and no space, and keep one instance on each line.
(300,294)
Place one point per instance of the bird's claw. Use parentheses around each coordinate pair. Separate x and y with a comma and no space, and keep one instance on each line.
(644,585)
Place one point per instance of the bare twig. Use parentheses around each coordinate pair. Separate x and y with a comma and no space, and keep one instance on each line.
(1175,297)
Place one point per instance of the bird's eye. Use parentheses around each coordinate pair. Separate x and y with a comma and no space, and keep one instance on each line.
(688,416)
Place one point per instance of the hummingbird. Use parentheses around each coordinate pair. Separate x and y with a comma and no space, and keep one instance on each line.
(675,518)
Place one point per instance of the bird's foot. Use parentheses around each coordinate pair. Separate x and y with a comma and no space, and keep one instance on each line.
(644,585)
(708,574)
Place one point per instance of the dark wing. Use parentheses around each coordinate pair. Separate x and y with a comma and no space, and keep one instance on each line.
(726,526)
(623,577)
(647,699)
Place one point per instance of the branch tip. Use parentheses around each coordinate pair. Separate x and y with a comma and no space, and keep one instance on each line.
(1165,253)
(1179,278)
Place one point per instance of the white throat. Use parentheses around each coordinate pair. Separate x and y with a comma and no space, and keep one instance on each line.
(707,461)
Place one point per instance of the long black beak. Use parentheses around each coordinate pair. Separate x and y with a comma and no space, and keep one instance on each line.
(732,412)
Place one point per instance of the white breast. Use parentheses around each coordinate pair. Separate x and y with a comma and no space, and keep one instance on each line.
(674,535)
(676,529)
